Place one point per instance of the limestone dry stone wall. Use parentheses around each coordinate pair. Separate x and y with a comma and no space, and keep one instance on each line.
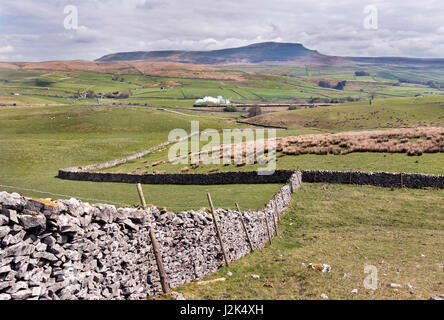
(279,176)
(68,249)
(381,179)
(116,162)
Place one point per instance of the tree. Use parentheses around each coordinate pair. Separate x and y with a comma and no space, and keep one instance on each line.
(362,74)
(91,94)
(254,111)
(340,85)
(123,95)
(324,84)
(434,84)
(230,109)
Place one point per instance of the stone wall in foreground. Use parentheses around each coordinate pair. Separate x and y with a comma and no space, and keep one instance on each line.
(68,249)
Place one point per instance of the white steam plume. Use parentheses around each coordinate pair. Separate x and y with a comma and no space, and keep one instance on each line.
(217,100)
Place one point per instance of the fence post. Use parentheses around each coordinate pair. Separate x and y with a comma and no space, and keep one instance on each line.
(283,199)
(244,227)
(217,228)
(157,253)
(276,210)
(141,196)
(268,228)
(274,223)
(299,178)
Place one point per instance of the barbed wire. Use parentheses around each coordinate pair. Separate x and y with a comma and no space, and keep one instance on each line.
(96,200)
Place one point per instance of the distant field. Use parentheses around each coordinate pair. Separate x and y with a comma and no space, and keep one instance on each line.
(384,114)
(180,86)
(37,142)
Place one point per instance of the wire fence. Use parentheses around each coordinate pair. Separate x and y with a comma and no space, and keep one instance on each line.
(99,200)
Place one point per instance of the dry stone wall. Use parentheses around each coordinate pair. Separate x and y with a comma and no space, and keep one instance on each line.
(279,176)
(68,249)
(116,162)
(381,179)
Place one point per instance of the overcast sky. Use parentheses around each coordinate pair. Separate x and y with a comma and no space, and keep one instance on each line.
(33,30)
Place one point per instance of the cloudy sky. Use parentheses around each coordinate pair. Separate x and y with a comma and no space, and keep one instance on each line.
(34,30)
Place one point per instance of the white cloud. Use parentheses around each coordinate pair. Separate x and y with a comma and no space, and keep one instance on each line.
(7,49)
(34,28)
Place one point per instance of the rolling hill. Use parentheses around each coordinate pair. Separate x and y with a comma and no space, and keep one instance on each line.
(262,53)
(255,53)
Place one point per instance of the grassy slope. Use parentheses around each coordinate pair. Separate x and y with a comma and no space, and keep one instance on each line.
(390,230)
(384,113)
(360,161)
(34,147)
(334,219)
(41,87)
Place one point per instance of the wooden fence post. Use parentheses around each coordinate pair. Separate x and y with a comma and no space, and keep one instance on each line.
(217,228)
(283,200)
(141,196)
(268,228)
(276,210)
(244,227)
(274,222)
(157,253)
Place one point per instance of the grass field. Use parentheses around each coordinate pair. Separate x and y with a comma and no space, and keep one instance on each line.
(399,231)
(49,87)
(37,142)
(384,114)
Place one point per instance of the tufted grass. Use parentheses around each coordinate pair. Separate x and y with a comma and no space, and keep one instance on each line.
(347,227)
(384,113)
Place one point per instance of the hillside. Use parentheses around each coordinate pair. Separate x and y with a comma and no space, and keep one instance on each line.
(255,53)
(264,52)
(384,113)
(165,69)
